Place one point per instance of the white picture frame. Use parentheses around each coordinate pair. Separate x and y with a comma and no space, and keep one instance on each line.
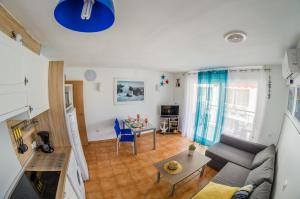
(133,91)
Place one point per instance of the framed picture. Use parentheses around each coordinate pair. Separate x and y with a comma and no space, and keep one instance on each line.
(128,91)
(297,106)
(291,99)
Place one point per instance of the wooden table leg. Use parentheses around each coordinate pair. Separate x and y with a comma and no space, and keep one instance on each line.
(173,190)
(134,143)
(154,139)
(158,177)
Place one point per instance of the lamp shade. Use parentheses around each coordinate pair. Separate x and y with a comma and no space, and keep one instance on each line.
(68,14)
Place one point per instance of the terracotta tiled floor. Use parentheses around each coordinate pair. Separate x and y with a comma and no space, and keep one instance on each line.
(128,176)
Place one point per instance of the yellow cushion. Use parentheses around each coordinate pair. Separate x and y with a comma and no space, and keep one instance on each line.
(216,191)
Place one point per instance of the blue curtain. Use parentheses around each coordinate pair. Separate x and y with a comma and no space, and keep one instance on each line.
(210,109)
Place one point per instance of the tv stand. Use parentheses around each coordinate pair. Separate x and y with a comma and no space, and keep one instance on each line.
(169,124)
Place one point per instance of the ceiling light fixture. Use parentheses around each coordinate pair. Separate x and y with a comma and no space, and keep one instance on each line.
(87,9)
(235,36)
(85,15)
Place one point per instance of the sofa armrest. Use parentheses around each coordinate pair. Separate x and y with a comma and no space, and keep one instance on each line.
(244,145)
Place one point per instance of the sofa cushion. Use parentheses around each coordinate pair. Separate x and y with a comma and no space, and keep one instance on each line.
(263,155)
(224,153)
(263,191)
(241,144)
(244,192)
(214,190)
(264,172)
(232,175)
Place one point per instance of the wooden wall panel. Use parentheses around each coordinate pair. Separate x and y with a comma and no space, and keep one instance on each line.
(56,101)
(44,124)
(8,24)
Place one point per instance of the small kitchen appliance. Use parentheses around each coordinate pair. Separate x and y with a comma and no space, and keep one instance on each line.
(44,142)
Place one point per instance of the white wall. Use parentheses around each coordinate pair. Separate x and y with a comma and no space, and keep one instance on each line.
(100,110)
(274,109)
(288,162)
(9,164)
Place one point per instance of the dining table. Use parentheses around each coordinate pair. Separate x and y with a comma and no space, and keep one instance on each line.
(138,126)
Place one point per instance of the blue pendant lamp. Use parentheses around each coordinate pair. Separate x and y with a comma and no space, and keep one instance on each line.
(85,15)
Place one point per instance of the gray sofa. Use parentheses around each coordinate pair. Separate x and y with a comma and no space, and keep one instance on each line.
(241,163)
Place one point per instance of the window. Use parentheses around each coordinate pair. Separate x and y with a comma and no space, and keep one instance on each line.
(240,110)
(239,119)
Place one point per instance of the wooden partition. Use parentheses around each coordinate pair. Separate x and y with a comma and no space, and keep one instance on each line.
(57,118)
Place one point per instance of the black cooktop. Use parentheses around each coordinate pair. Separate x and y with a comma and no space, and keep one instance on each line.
(37,185)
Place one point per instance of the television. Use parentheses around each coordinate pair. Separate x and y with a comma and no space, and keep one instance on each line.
(169,110)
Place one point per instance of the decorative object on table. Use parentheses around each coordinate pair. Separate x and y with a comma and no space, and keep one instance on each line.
(138,117)
(90,75)
(192,149)
(146,121)
(164,80)
(291,99)
(177,83)
(297,107)
(164,127)
(134,123)
(128,91)
(173,167)
(85,15)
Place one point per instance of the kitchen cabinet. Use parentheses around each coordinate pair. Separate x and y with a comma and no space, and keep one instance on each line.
(69,192)
(23,81)
(36,68)
(13,94)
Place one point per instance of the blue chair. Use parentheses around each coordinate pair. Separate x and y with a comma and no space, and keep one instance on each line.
(123,135)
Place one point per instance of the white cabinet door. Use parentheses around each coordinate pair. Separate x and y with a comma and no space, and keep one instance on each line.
(13,96)
(37,88)
(69,192)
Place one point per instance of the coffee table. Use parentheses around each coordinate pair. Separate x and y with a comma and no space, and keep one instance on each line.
(191,164)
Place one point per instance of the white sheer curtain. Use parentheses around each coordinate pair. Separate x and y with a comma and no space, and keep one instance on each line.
(189,108)
(245,103)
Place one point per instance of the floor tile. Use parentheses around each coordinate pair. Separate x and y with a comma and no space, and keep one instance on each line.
(128,176)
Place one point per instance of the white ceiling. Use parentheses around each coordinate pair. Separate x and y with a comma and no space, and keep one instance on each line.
(169,35)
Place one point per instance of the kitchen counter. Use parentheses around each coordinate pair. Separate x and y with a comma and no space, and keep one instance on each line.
(56,161)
